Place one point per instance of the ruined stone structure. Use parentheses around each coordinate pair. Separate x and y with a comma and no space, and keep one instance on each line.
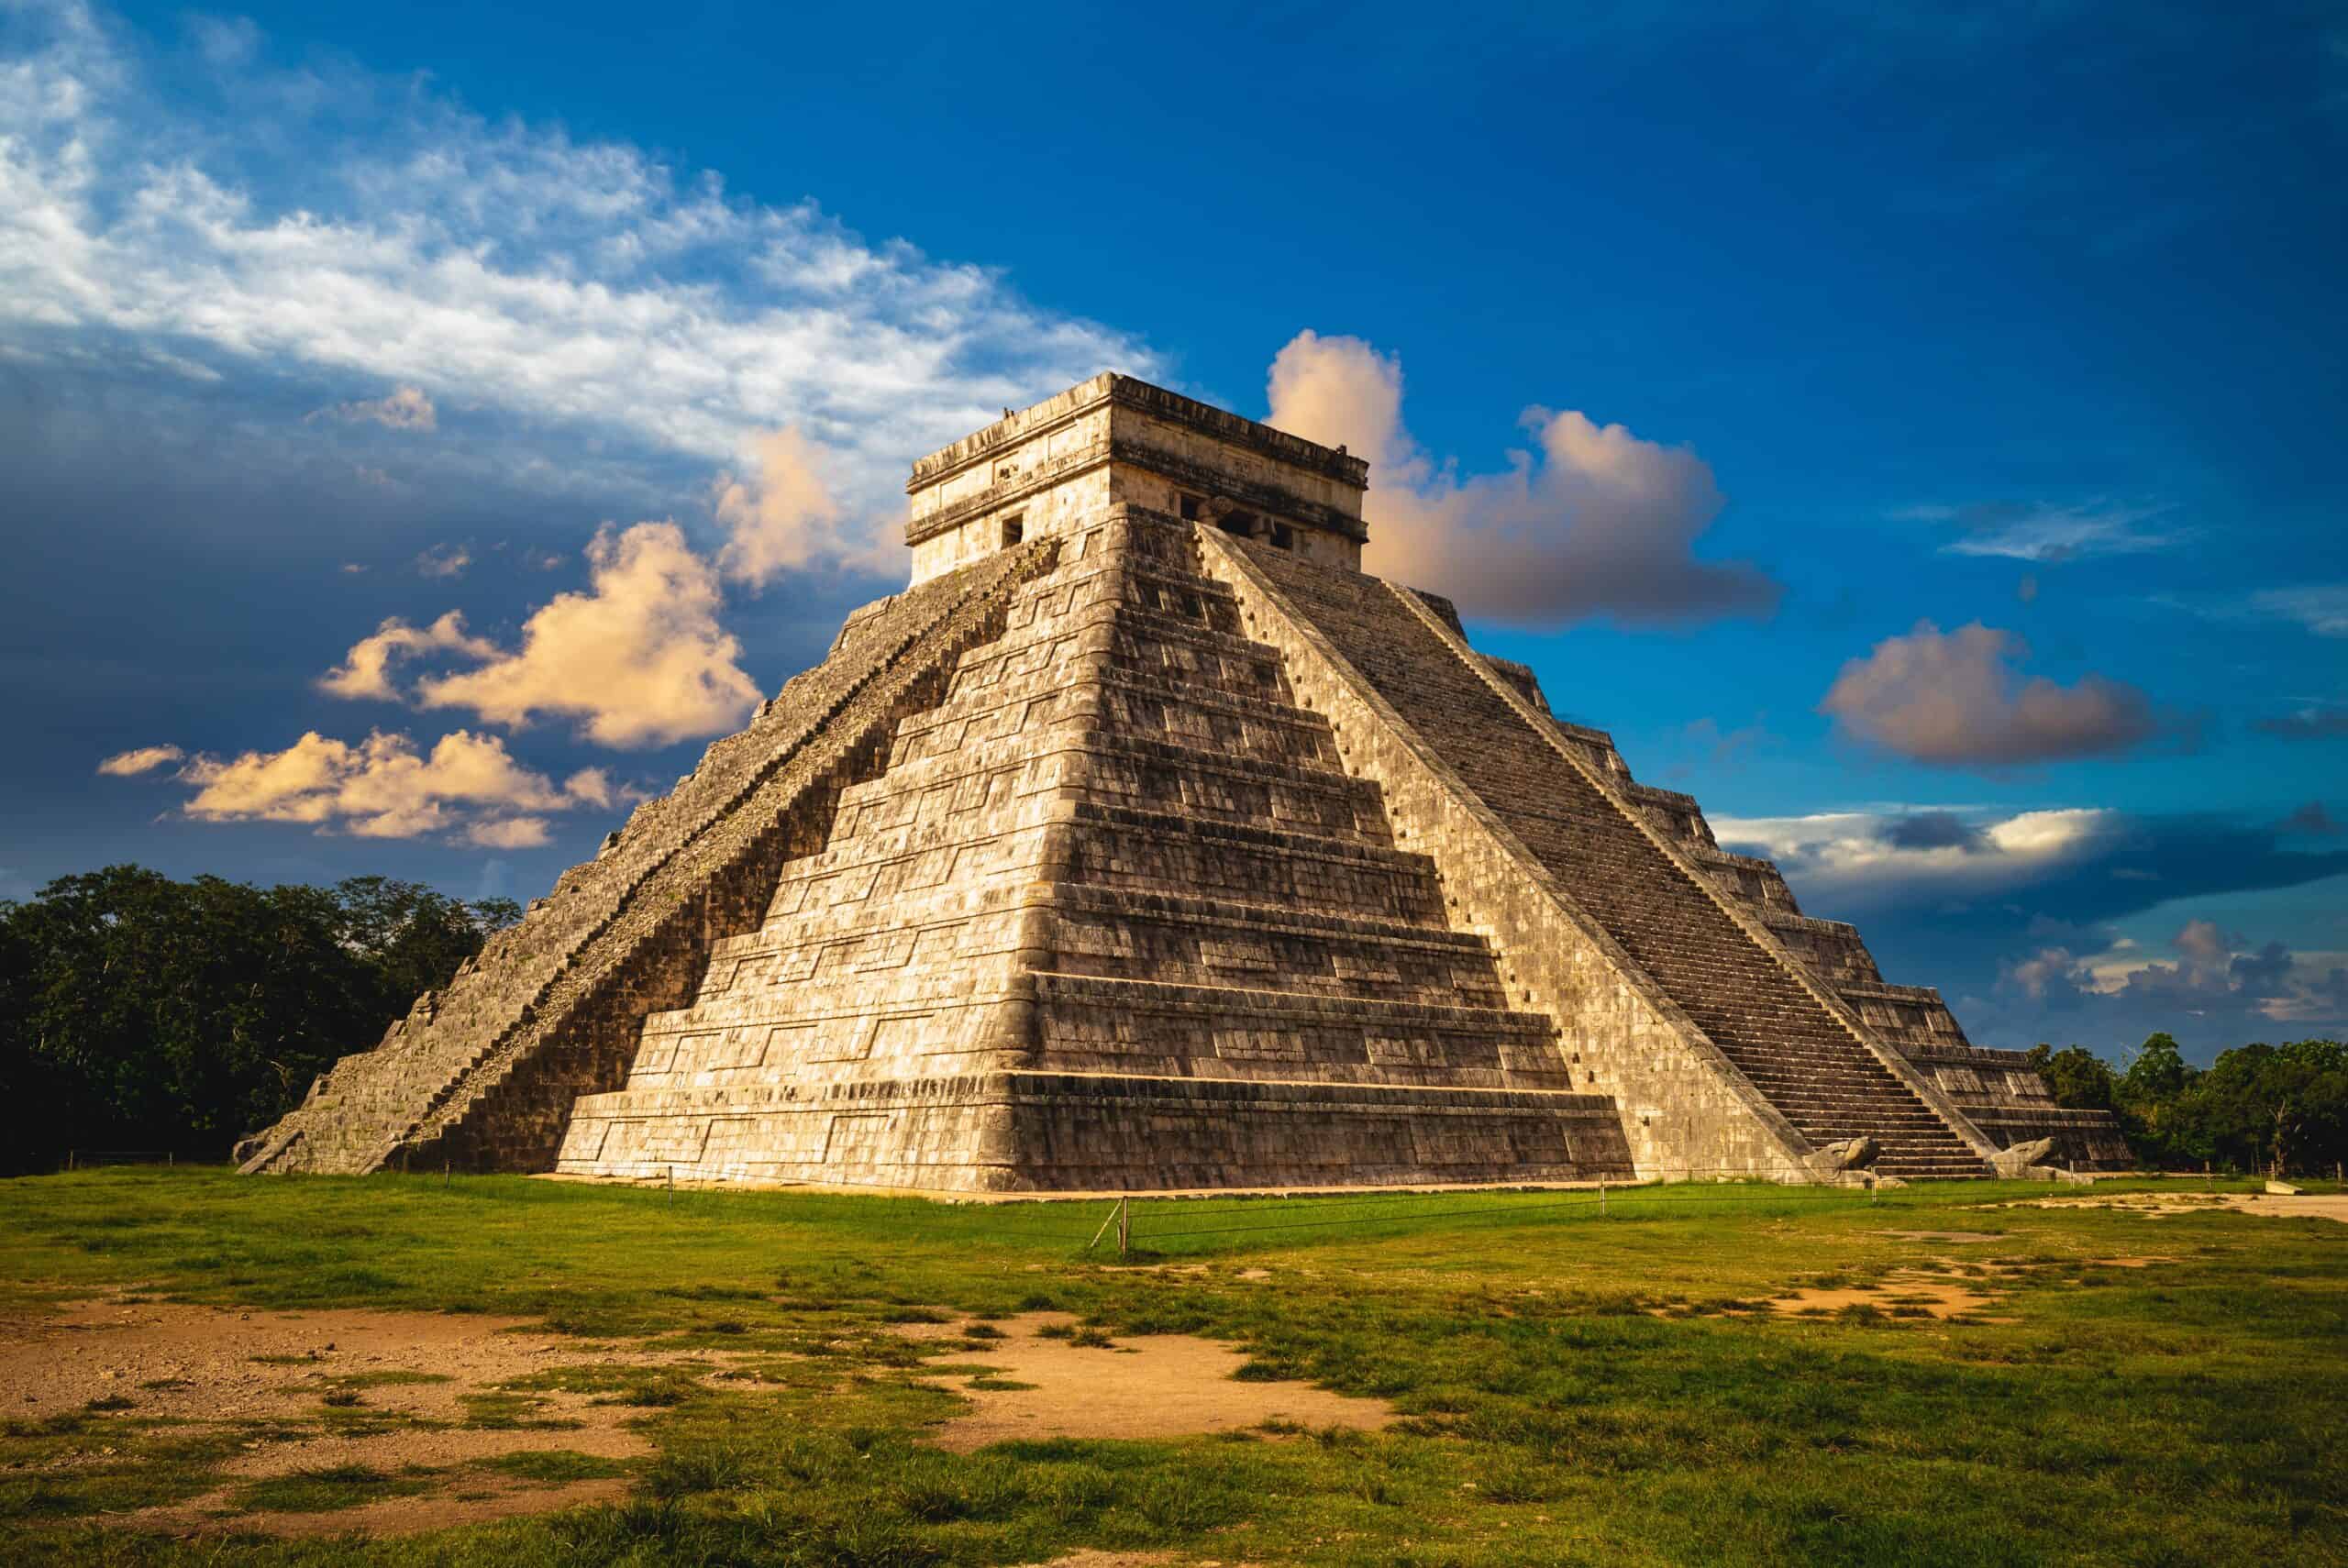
(1145,843)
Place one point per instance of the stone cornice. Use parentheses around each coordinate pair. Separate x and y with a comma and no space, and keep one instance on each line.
(1134,452)
(1125,390)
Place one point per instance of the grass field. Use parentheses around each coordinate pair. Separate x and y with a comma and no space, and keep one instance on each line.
(1572,1386)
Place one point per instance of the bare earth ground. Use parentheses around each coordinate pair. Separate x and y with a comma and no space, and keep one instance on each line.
(205,1365)
(2305,1206)
(1139,1386)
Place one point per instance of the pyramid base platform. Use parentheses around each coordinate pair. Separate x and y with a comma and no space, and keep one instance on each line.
(1024,1132)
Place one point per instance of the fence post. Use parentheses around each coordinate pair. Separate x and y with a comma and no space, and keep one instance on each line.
(1114,1210)
(444,1174)
(673,1186)
(1602,1197)
(1125,1225)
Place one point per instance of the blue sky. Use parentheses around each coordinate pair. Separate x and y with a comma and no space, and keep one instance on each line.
(1918,435)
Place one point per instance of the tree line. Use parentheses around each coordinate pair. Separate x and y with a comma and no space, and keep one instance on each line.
(2276,1109)
(140,1012)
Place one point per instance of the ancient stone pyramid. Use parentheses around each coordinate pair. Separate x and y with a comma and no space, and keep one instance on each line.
(1145,843)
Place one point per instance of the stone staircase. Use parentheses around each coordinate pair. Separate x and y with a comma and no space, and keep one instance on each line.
(1745,997)
(483,1075)
(1112,915)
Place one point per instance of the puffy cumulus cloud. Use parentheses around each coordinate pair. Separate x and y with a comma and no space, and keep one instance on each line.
(2034,531)
(384,786)
(605,311)
(508,833)
(365,672)
(638,659)
(1955,699)
(402,408)
(779,516)
(140,759)
(1593,521)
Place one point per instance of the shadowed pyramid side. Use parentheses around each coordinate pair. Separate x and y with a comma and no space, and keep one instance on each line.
(483,1075)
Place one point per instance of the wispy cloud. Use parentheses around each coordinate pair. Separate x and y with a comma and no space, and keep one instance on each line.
(2313,722)
(444,561)
(402,408)
(2039,531)
(141,759)
(559,285)
(2322,608)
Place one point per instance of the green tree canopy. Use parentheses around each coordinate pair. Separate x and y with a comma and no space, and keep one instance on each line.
(137,1012)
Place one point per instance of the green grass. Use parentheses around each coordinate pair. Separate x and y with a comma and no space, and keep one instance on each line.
(1573,1387)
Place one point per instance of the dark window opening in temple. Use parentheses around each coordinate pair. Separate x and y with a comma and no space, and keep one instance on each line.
(1190,506)
(1283,536)
(1239,523)
(1013,530)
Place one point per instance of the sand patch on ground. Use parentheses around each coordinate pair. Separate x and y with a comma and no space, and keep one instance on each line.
(1143,1386)
(261,1372)
(1956,1236)
(1908,1293)
(2303,1206)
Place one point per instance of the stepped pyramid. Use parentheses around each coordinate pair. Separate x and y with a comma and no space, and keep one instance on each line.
(1145,843)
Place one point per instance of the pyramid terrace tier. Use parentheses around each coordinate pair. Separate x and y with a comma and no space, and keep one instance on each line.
(1749,1004)
(1019,1131)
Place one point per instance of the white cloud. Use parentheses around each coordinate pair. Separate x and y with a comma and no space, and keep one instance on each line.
(142,760)
(2036,531)
(2322,608)
(365,672)
(587,293)
(1598,522)
(1929,854)
(639,659)
(384,787)
(402,408)
(1953,700)
(508,833)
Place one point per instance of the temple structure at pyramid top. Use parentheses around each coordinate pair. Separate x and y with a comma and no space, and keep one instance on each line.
(1051,470)
(1142,843)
